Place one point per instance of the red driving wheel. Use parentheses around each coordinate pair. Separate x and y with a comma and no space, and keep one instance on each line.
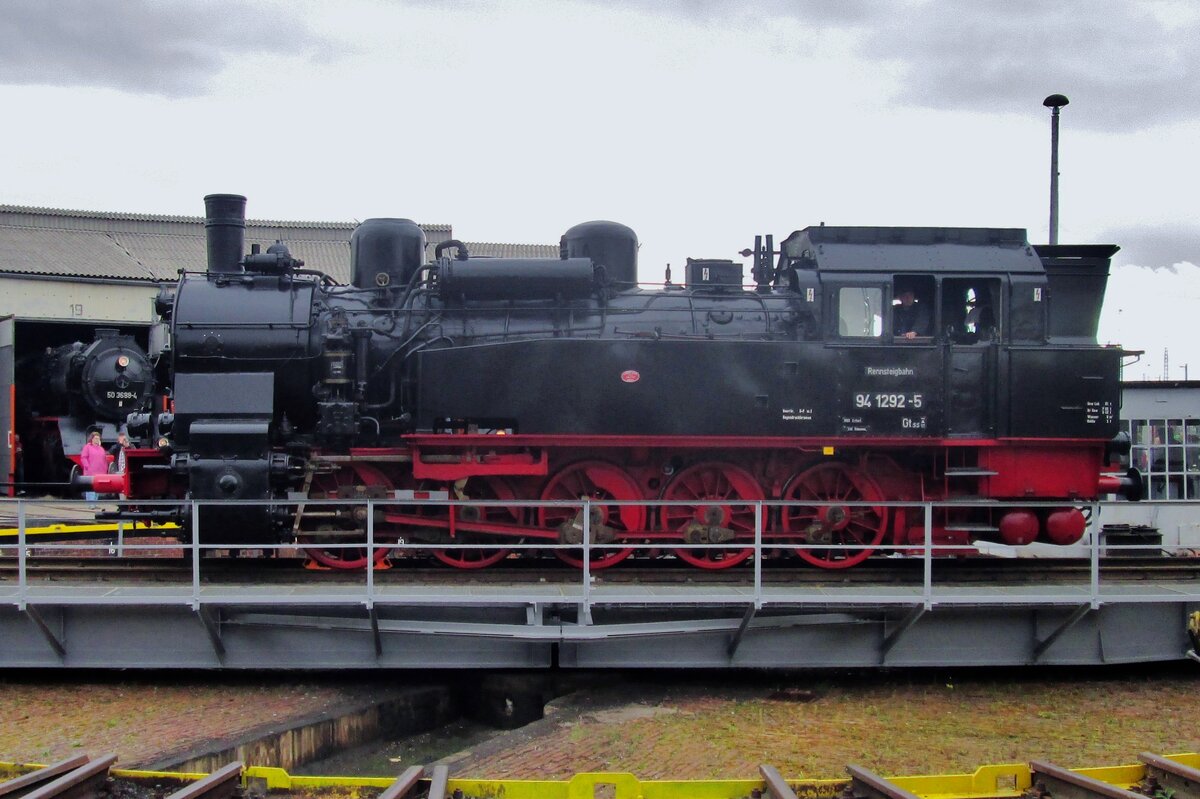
(597,481)
(351,482)
(481,488)
(851,533)
(723,497)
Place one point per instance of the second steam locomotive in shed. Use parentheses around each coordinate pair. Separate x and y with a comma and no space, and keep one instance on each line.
(865,365)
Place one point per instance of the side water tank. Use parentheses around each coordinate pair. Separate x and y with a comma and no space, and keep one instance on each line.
(609,244)
(386,252)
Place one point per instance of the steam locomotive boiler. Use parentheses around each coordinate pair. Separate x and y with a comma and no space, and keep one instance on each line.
(515,379)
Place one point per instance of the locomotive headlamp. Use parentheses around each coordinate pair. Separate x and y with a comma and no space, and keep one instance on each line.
(164,442)
(122,361)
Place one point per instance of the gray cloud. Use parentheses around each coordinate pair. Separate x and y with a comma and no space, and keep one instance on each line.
(141,46)
(816,12)
(1123,66)
(1158,246)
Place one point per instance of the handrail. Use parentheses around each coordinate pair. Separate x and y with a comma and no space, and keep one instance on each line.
(752,591)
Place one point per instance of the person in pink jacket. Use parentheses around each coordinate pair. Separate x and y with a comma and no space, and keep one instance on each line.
(93,460)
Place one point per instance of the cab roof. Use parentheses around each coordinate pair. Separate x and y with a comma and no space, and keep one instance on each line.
(912,249)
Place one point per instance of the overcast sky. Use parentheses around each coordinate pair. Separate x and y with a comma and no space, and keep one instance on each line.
(699,123)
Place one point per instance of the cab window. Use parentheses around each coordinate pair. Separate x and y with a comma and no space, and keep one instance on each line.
(860,312)
(912,307)
(970,309)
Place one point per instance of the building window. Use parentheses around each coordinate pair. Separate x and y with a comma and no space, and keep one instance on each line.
(1167,453)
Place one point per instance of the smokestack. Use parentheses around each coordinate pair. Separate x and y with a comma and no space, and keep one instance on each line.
(225,227)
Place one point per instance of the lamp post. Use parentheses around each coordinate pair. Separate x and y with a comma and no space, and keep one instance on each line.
(1054,102)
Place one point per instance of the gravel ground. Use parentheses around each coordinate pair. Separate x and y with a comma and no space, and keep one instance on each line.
(143,719)
(665,726)
(811,726)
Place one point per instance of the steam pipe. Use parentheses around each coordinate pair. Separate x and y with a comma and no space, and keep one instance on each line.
(447,244)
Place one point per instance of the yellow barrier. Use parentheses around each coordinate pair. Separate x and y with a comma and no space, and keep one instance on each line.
(82,529)
(1006,780)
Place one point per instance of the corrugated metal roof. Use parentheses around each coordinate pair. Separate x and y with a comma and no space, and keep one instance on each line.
(67,252)
(64,215)
(497,250)
(124,246)
(166,255)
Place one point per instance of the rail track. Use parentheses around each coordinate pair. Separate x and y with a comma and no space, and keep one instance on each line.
(286,570)
(82,778)
(1154,776)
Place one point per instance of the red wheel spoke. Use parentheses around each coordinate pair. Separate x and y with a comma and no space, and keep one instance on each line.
(743,520)
(726,487)
(483,488)
(838,527)
(346,484)
(597,481)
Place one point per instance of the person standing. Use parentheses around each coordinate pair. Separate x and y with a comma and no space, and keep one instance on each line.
(93,460)
(117,452)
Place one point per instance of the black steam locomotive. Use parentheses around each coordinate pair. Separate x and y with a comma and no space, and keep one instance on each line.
(865,365)
(64,390)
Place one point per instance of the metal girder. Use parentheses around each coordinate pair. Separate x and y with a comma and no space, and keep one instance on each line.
(1047,642)
(552,633)
(378,640)
(212,626)
(906,623)
(736,640)
(146,627)
(59,648)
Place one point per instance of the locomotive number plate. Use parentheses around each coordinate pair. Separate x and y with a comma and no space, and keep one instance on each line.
(889,400)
